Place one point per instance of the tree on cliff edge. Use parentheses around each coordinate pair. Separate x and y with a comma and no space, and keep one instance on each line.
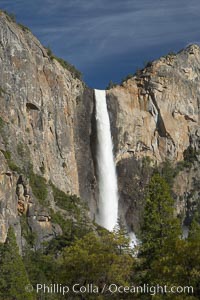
(13,276)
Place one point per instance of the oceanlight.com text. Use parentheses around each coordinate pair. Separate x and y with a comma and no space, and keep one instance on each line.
(108,289)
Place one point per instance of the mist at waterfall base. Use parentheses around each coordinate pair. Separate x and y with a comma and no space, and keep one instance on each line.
(107,178)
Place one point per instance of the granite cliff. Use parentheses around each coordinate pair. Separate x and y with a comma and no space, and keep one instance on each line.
(45,131)
(48,135)
(155,121)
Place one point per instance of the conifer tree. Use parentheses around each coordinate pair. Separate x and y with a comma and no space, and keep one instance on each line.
(193,254)
(95,259)
(160,225)
(122,238)
(13,276)
(165,258)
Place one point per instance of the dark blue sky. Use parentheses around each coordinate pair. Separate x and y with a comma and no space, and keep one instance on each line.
(108,39)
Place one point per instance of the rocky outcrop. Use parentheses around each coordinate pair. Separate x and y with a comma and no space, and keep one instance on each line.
(155,114)
(8,201)
(45,126)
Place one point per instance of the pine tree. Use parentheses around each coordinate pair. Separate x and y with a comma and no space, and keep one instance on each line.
(160,225)
(13,276)
(193,254)
(122,238)
(160,232)
(95,259)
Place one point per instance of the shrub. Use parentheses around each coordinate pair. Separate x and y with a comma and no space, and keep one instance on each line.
(69,67)
(10,16)
(57,218)
(42,169)
(190,155)
(2,123)
(26,231)
(127,78)
(64,64)
(6,154)
(2,91)
(67,202)
(13,167)
(11,163)
(23,27)
(21,149)
(147,161)
(147,64)
(50,53)
(111,85)
(170,55)
(39,187)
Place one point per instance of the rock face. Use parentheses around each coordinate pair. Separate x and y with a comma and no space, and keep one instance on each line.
(155,114)
(45,124)
(48,133)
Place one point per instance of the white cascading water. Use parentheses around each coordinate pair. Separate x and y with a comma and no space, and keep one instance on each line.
(108,192)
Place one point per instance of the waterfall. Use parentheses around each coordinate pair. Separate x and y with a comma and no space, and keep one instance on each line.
(107,178)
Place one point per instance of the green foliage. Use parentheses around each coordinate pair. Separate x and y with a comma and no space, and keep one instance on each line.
(95,259)
(21,149)
(66,65)
(170,54)
(13,167)
(11,163)
(3,131)
(41,268)
(195,228)
(10,16)
(179,264)
(190,155)
(2,123)
(129,76)
(2,91)
(42,169)
(39,186)
(111,85)
(57,218)
(169,171)
(147,64)
(121,237)
(70,203)
(138,72)
(56,245)
(13,276)
(24,28)
(72,230)
(73,220)
(6,154)
(164,257)
(159,222)
(26,232)
(76,73)
(147,162)
(50,53)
